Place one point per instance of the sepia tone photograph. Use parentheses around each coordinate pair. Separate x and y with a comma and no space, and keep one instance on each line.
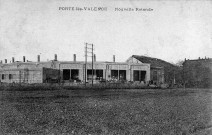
(116,67)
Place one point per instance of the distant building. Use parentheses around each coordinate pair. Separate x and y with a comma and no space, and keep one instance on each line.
(73,71)
(198,72)
(27,72)
(104,71)
(160,70)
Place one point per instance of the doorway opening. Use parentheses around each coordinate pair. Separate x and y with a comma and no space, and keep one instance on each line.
(66,74)
(75,74)
(139,75)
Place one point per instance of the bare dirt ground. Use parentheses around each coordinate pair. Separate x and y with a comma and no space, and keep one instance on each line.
(108,112)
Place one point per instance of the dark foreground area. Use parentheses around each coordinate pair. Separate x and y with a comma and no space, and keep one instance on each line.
(136,112)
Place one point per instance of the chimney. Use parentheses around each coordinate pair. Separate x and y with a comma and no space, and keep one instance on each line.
(38,58)
(199,58)
(13,59)
(185,59)
(5,60)
(74,57)
(94,57)
(55,57)
(23,58)
(114,58)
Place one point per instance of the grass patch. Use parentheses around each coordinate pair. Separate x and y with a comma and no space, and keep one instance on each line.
(150,112)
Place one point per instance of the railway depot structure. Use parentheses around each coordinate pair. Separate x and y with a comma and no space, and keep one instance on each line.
(160,70)
(73,71)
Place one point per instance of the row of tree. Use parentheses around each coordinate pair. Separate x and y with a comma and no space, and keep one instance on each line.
(196,73)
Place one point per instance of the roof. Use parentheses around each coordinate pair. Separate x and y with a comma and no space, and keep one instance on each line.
(208,60)
(154,62)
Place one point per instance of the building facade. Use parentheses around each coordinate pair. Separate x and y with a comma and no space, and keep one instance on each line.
(73,71)
(27,74)
(105,71)
(160,70)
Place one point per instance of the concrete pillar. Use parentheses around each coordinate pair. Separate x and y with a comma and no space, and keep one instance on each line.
(148,72)
(108,74)
(81,74)
(128,73)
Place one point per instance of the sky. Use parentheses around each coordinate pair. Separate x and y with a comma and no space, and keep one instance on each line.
(172,31)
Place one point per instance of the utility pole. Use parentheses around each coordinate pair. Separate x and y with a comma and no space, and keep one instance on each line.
(59,79)
(92,64)
(86,55)
(85,62)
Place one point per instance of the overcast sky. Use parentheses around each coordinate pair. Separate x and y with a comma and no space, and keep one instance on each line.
(174,30)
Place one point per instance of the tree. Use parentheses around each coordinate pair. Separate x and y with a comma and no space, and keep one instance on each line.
(179,63)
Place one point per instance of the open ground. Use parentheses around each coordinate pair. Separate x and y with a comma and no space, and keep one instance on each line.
(107,112)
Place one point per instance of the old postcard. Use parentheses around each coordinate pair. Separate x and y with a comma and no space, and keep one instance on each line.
(91,67)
